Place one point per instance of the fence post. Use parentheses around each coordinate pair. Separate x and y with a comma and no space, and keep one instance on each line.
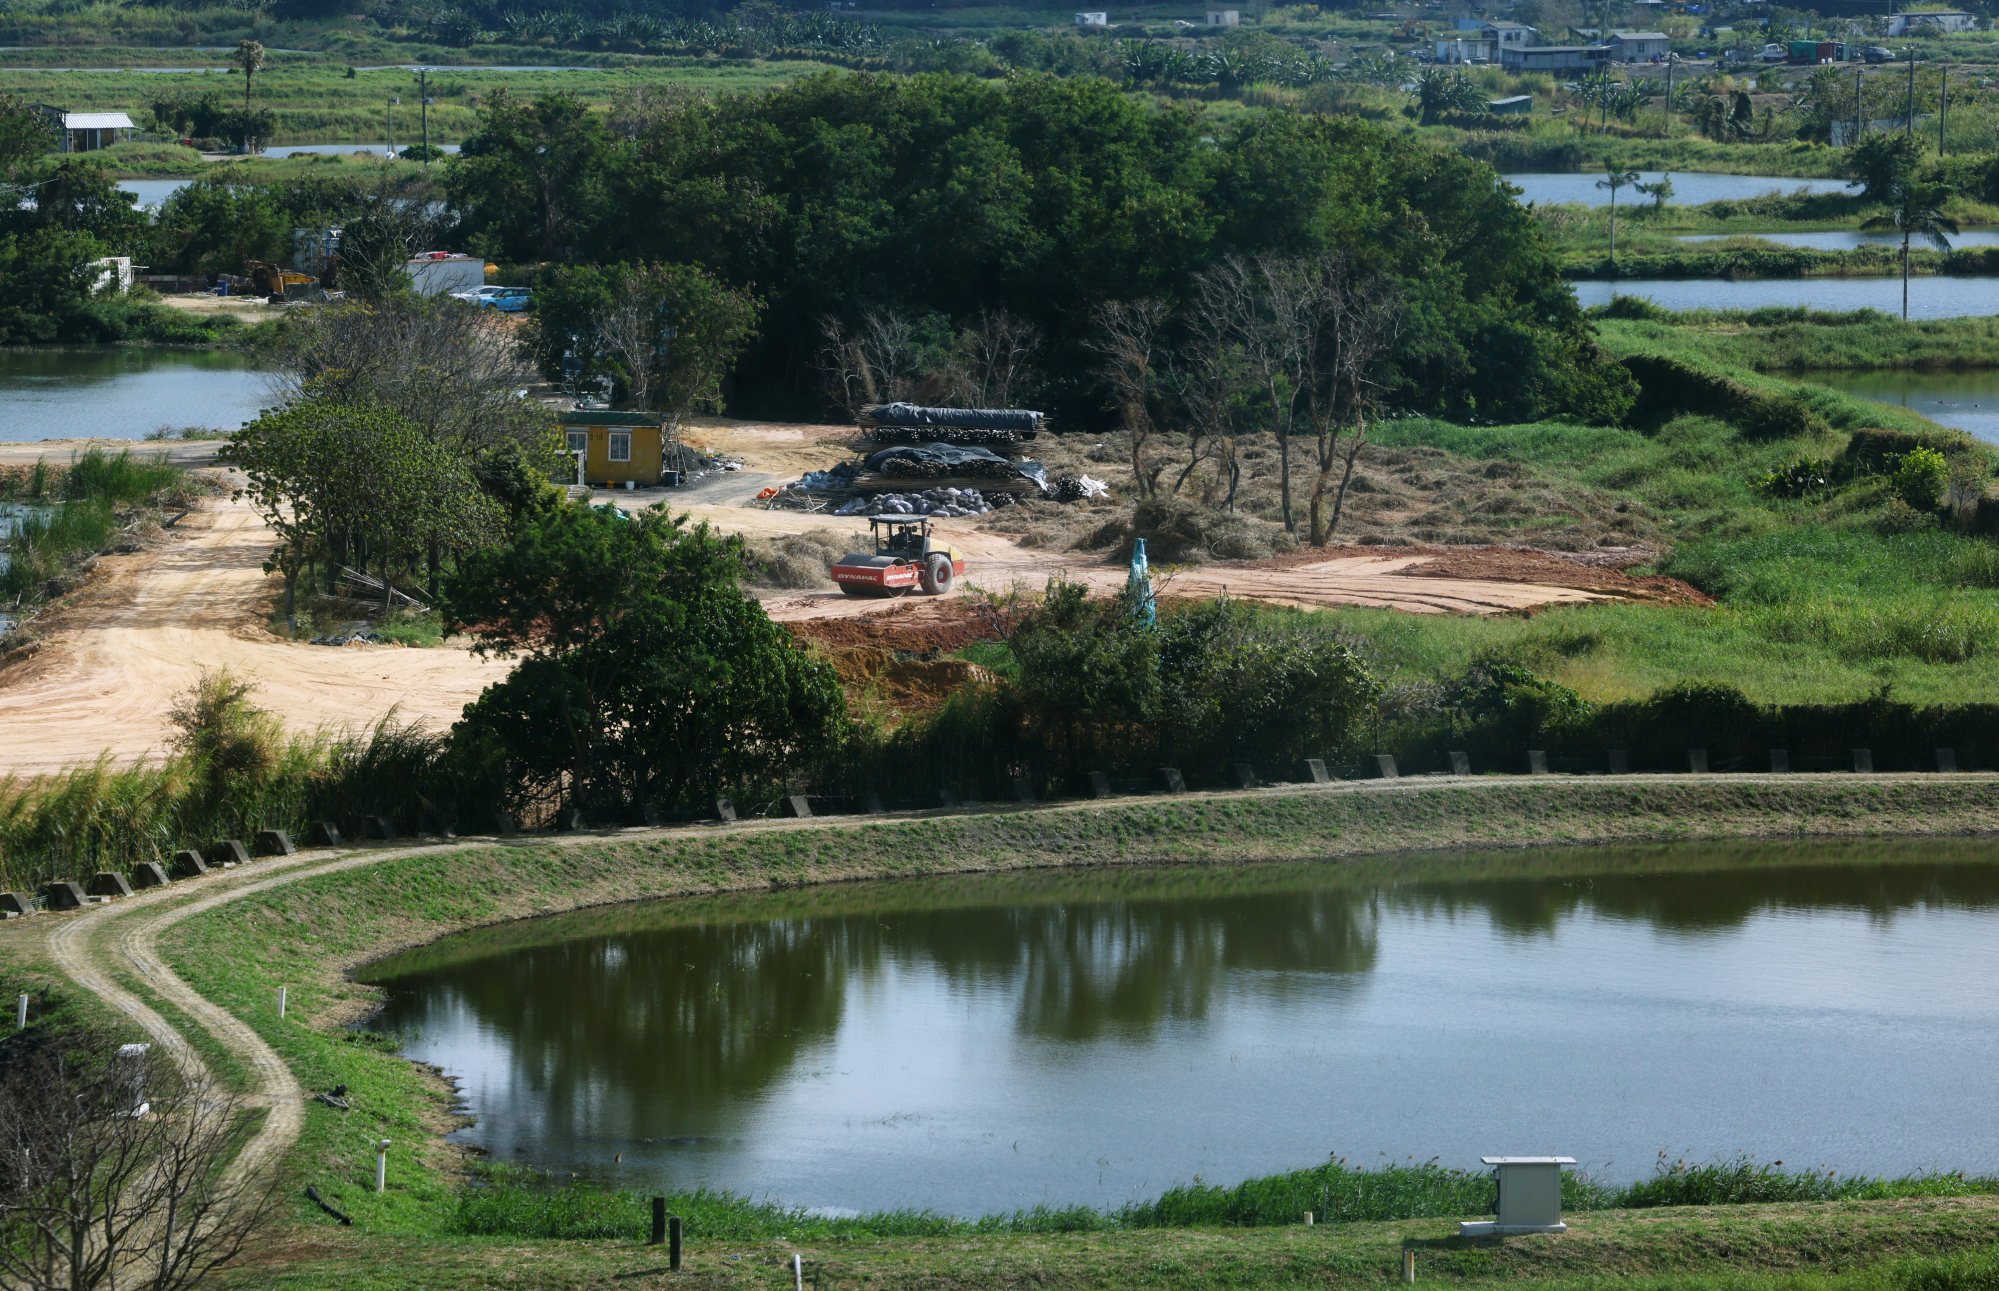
(672,1242)
(658,1221)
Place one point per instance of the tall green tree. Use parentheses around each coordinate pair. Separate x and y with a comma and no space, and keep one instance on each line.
(1916,210)
(1613,180)
(249,59)
(530,184)
(648,680)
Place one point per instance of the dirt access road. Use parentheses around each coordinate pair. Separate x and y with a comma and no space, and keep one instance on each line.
(142,630)
(146,626)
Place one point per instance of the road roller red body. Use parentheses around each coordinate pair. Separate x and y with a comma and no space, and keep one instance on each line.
(904,559)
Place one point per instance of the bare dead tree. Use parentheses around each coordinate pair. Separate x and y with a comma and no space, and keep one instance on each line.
(1208,378)
(1127,338)
(1000,351)
(1263,300)
(1352,318)
(111,1171)
(453,370)
(843,368)
(628,330)
(880,357)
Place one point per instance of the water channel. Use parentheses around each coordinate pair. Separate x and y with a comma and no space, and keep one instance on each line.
(1690,188)
(1934,296)
(1846,239)
(126,392)
(1966,400)
(973,1045)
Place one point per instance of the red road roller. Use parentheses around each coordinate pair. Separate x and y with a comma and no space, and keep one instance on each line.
(903,558)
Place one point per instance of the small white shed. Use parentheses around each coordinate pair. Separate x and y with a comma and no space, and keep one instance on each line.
(1530,1197)
(1093,19)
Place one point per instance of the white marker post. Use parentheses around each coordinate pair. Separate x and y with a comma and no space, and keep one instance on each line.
(281,1000)
(21,1014)
(382,1166)
(797,1271)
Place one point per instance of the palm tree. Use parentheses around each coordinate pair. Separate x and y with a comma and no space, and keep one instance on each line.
(1614,179)
(1916,210)
(249,56)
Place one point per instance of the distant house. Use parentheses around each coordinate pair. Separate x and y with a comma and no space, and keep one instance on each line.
(1470,48)
(1509,35)
(1518,105)
(84,131)
(1639,46)
(1554,58)
(1224,18)
(1093,20)
(617,447)
(1933,23)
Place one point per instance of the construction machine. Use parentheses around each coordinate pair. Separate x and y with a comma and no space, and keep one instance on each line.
(904,557)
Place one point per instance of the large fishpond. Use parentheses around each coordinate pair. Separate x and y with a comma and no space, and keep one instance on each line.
(979,1044)
(126,392)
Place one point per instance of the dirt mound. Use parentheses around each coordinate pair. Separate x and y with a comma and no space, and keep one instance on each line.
(897,687)
(1604,571)
(929,627)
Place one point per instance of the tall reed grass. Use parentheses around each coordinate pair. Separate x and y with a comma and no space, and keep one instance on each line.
(231,771)
(72,511)
(510,1201)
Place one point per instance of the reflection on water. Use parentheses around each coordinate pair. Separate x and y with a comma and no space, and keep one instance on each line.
(975,1045)
(1966,400)
(125,392)
(1689,188)
(1935,296)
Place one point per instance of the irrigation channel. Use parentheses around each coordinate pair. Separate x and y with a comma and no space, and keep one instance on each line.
(126,392)
(1690,188)
(1931,296)
(1966,400)
(979,1044)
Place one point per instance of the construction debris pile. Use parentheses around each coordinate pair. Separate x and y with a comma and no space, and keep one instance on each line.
(908,423)
(939,462)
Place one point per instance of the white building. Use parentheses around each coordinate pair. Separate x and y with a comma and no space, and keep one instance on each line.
(1224,18)
(1093,20)
(1639,46)
(85,131)
(1554,58)
(1932,24)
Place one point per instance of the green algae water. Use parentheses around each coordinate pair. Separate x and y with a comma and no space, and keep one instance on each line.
(975,1045)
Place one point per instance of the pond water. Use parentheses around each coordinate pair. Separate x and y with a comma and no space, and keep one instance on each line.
(1690,188)
(1966,400)
(151,193)
(1846,239)
(125,392)
(345,149)
(1933,296)
(973,1045)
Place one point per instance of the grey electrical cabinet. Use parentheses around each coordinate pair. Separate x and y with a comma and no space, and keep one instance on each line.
(1530,1197)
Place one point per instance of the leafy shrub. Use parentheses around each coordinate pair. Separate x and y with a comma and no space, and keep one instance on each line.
(1804,478)
(1921,477)
(1777,417)
(1878,451)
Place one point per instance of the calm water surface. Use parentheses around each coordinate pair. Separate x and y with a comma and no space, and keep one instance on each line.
(1689,189)
(126,392)
(976,1045)
(1929,297)
(1966,400)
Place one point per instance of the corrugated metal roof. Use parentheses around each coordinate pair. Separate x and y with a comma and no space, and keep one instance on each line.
(599,417)
(96,121)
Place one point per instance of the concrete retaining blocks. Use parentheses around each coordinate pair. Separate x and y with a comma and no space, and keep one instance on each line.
(15,903)
(1863,761)
(435,826)
(230,851)
(1023,789)
(1384,766)
(379,828)
(871,803)
(149,874)
(798,805)
(1537,762)
(1100,785)
(1315,771)
(1245,775)
(1171,781)
(1697,761)
(187,865)
(63,895)
(108,883)
(1618,762)
(725,810)
(1947,760)
(1780,762)
(1460,763)
(324,833)
(504,825)
(274,842)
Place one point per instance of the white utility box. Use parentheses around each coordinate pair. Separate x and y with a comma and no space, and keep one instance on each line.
(1530,1197)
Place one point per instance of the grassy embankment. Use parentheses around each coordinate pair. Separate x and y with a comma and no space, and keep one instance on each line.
(429,1230)
(1823,598)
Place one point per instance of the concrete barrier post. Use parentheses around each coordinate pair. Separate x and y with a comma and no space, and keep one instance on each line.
(63,895)
(1023,789)
(1460,763)
(1619,762)
(1245,775)
(324,833)
(1100,785)
(149,874)
(798,805)
(108,883)
(725,810)
(1171,781)
(1315,771)
(1697,761)
(188,864)
(228,852)
(15,905)
(1537,762)
(1780,762)
(871,802)
(1384,764)
(947,797)
(1863,761)
(274,842)
(379,828)
(1946,760)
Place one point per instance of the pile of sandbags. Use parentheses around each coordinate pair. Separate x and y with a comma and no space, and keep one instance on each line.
(942,502)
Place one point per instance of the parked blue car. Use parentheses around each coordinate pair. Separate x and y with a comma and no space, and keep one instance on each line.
(508,300)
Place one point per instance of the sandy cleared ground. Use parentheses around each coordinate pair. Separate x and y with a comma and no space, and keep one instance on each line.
(116,654)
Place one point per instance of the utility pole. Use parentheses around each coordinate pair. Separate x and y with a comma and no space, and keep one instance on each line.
(1857,124)
(1943,104)
(423,95)
(1909,112)
(1669,94)
(393,100)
